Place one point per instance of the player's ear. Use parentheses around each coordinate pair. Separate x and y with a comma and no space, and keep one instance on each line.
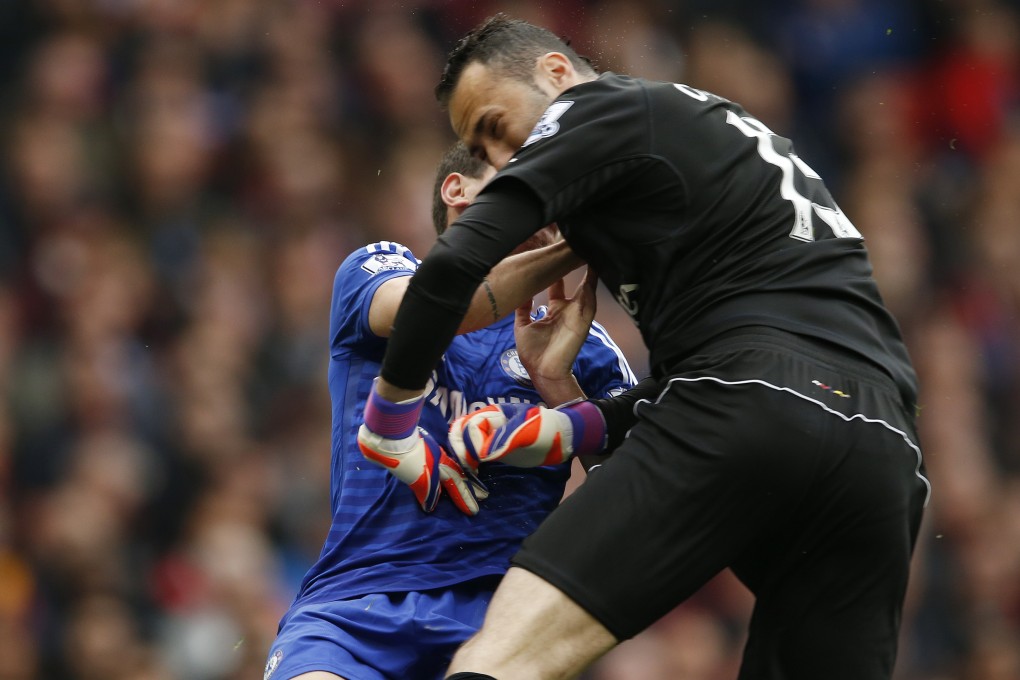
(454,191)
(557,70)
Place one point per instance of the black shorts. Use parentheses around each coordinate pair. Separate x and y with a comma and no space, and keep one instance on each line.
(793,464)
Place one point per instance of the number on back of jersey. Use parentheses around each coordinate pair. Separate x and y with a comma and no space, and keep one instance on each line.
(796,172)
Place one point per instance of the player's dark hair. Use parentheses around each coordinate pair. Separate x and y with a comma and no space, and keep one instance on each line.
(456,159)
(509,46)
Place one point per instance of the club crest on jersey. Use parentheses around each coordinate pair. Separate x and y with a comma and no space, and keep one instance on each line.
(512,366)
(548,125)
(386,262)
(273,664)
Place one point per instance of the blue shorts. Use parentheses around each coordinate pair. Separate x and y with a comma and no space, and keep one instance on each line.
(380,636)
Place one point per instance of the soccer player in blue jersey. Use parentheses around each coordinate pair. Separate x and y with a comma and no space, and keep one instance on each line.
(395,591)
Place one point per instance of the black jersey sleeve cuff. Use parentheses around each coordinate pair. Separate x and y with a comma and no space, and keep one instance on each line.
(619,410)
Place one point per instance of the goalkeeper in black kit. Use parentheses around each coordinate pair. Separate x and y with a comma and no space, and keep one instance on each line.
(776,437)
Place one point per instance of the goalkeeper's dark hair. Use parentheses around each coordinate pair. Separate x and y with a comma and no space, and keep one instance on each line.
(456,159)
(508,46)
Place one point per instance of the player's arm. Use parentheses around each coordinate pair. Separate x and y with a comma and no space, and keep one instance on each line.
(515,280)
(619,412)
(510,284)
(439,294)
(549,345)
(523,435)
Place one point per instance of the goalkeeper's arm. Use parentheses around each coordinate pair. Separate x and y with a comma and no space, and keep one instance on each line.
(527,436)
(619,416)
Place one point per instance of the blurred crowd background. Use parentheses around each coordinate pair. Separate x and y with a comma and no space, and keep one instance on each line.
(179,180)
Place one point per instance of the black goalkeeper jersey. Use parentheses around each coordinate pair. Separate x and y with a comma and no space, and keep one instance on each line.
(699,220)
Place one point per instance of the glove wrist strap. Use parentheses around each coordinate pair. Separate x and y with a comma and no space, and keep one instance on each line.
(392,420)
(589,428)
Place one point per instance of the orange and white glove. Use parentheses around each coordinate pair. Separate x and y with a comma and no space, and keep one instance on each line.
(524,435)
(390,437)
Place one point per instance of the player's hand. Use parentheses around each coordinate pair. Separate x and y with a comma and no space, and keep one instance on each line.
(548,344)
(524,435)
(423,465)
(390,437)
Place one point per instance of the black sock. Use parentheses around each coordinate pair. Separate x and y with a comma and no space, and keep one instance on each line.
(469,676)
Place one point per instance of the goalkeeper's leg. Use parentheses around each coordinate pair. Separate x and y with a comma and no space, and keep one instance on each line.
(511,650)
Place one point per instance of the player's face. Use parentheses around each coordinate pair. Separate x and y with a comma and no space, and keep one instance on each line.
(494,114)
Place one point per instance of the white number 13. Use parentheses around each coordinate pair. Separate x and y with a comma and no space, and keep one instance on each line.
(789,164)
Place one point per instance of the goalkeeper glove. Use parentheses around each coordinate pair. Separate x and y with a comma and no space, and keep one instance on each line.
(391,438)
(523,435)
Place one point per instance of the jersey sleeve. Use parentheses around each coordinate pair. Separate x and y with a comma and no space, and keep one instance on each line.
(601,368)
(354,286)
(585,146)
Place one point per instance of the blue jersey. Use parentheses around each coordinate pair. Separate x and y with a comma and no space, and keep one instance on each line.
(380,540)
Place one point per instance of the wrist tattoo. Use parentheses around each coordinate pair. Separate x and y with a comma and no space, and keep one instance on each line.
(492,300)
